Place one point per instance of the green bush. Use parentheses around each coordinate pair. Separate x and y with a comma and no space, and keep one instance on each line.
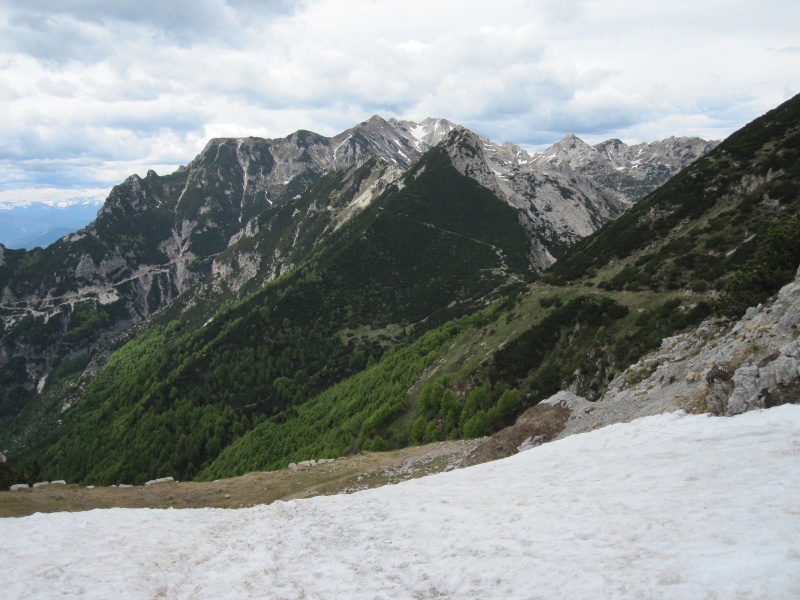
(772,266)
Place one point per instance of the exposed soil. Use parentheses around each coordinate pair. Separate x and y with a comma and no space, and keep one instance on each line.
(535,426)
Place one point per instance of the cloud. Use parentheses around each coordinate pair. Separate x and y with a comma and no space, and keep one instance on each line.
(80,28)
(92,90)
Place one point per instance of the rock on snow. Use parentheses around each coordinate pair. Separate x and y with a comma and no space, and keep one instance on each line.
(669,506)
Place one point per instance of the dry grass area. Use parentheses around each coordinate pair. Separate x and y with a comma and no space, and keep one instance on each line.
(345,475)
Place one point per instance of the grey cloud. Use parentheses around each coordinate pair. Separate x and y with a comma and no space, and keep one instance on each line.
(51,38)
(187,20)
(602,119)
(179,122)
(55,173)
(122,135)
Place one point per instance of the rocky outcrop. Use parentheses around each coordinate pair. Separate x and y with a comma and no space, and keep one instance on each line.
(159,480)
(629,172)
(294,467)
(723,368)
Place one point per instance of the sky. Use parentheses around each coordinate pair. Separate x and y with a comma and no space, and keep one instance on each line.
(92,91)
(665,507)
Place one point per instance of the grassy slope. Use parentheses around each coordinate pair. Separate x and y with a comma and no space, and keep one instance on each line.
(359,472)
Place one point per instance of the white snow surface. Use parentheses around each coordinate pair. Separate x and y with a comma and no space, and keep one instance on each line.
(670,506)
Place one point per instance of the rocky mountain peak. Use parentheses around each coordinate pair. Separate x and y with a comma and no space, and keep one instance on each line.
(426,133)
(570,150)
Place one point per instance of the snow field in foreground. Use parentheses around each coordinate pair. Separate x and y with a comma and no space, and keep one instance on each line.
(671,506)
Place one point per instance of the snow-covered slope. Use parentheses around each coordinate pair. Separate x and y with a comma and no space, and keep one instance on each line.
(670,506)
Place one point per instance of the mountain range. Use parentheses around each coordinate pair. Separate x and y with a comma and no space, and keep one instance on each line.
(372,289)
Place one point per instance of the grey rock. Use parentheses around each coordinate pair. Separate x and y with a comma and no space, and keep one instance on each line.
(160,480)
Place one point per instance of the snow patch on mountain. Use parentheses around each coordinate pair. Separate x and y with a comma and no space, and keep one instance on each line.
(670,506)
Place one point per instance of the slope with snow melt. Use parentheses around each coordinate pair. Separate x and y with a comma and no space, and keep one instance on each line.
(670,506)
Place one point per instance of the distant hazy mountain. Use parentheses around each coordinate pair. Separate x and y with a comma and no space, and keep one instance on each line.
(41,224)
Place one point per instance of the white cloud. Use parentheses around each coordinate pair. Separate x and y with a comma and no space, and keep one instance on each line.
(93,91)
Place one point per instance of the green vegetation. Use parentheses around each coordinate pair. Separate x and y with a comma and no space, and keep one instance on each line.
(411,322)
(772,265)
(425,392)
(9,476)
(173,398)
(360,412)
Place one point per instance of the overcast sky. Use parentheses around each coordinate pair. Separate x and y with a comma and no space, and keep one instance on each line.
(94,90)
